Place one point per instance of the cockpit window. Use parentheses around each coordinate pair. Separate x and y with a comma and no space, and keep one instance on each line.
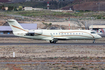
(93,32)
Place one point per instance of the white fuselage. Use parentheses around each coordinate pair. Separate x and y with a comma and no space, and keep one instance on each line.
(59,34)
(51,35)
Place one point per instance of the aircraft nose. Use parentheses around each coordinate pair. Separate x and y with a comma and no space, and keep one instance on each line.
(99,36)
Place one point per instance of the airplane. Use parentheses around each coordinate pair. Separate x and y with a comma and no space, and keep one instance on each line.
(52,35)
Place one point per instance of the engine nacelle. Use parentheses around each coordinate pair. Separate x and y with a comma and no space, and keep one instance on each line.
(33,33)
(38,32)
(30,34)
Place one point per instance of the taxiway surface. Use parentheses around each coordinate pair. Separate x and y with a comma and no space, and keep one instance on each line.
(42,43)
(52,44)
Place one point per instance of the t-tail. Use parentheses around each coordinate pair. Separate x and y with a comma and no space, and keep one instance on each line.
(16,27)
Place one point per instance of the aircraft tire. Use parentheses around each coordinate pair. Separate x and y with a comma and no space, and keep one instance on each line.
(53,42)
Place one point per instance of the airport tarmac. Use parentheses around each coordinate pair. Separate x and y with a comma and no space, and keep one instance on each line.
(24,41)
(28,53)
(57,44)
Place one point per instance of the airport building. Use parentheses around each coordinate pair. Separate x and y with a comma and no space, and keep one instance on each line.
(8,30)
(98,28)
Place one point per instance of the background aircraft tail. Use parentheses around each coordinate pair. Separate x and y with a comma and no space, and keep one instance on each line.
(16,27)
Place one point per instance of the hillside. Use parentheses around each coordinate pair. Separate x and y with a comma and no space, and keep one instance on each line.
(82,1)
(41,4)
(92,5)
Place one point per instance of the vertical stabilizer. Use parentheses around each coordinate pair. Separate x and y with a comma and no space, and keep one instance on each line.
(15,25)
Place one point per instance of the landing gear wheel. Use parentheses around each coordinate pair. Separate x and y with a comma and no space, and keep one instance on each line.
(53,42)
(94,41)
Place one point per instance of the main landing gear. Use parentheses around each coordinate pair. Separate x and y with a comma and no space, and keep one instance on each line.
(53,41)
(94,41)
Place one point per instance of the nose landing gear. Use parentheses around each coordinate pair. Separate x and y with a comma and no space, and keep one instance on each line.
(94,41)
